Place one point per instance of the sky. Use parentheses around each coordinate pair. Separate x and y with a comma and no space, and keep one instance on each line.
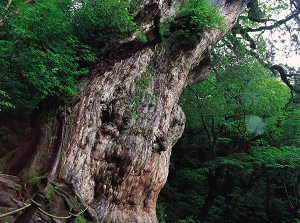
(293,60)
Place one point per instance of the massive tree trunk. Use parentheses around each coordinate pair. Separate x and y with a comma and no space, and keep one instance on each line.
(112,146)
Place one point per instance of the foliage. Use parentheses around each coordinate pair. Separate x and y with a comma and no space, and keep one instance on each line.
(224,107)
(43,43)
(140,36)
(188,220)
(286,157)
(39,44)
(161,215)
(193,17)
(288,133)
(202,16)
(3,102)
(240,137)
(102,20)
(45,48)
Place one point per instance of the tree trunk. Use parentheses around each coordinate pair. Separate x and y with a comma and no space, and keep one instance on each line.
(212,183)
(269,208)
(112,146)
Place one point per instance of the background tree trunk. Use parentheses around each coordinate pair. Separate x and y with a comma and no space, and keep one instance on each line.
(112,146)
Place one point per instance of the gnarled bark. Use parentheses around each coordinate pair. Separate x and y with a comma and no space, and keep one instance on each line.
(112,147)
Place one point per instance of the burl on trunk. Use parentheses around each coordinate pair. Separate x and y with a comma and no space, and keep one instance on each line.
(112,146)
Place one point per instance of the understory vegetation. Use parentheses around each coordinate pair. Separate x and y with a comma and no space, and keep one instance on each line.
(240,150)
(238,160)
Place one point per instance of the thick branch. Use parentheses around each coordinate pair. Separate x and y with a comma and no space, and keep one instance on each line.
(237,29)
(283,77)
(275,24)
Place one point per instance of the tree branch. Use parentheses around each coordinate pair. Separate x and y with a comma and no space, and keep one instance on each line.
(283,77)
(8,4)
(28,1)
(275,24)
(237,29)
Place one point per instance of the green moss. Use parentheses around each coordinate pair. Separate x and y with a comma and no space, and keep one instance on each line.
(142,94)
(141,37)
(50,190)
(30,177)
(79,219)
(141,90)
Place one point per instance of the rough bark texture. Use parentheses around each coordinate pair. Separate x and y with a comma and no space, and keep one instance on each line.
(112,147)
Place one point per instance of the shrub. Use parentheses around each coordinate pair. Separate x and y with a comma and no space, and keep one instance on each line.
(193,17)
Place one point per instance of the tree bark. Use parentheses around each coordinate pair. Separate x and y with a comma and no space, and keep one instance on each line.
(112,146)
